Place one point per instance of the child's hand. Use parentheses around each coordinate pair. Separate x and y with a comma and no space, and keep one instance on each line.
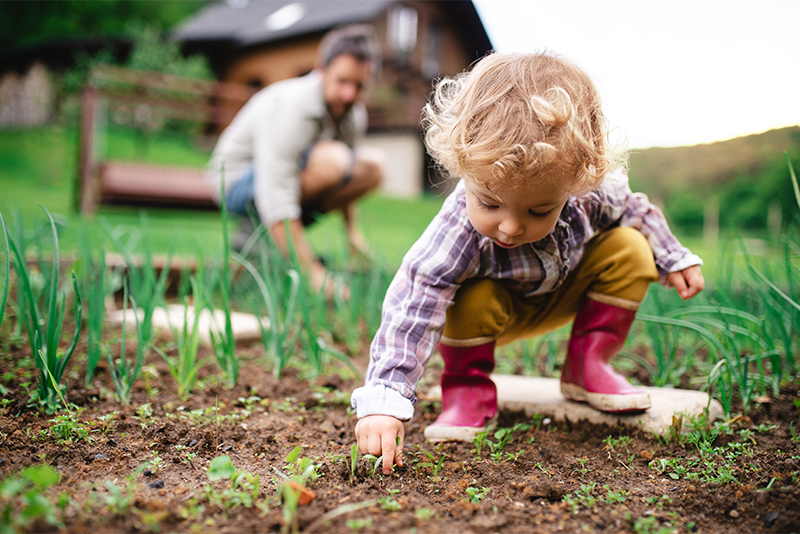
(688,282)
(381,435)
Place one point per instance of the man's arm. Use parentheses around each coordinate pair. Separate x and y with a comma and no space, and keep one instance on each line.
(305,256)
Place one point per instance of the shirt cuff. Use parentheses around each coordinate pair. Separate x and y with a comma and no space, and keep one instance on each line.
(687,261)
(381,400)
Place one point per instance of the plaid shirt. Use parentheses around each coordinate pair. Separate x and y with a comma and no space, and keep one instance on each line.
(451,251)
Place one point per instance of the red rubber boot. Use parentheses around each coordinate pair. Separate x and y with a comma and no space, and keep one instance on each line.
(469,397)
(598,334)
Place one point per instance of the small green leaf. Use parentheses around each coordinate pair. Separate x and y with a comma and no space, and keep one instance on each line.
(43,475)
(221,468)
(292,456)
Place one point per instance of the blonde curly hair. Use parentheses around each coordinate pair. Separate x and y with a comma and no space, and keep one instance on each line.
(515,118)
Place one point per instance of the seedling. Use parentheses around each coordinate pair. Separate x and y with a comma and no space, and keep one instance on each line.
(44,330)
(243,489)
(476,495)
(185,367)
(122,372)
(358,524)
(615,496)
(6,270)
(145,415)
(582,497)
(23,499)
(389,504)
(353,461)
(303,470)
(376,463)
(433,464)
(67,428)
(582,470)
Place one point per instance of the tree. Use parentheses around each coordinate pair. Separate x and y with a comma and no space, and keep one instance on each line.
(34,22)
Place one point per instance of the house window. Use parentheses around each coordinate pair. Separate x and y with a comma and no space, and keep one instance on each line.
(431,62)
(403,31)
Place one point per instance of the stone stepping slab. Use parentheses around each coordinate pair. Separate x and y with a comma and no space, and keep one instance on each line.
(245,325)
(536,395)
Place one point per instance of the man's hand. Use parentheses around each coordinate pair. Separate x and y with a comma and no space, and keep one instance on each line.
(322,280)
(381,435)
(688,282)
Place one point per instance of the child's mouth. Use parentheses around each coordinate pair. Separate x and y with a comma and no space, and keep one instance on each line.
(505,245)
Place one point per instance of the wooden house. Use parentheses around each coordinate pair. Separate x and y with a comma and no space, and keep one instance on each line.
(259,42)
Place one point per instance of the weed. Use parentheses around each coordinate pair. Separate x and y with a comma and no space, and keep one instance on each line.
(119,499)
(358,524)
(67,428)
(539,466)
(156,464)
(303,470)
(389,504)
(425,513)
(433,464)
(243,488)
(581,497)
(503,437)
(376,463)
(650,525)
(582,470)
(618,496)
(23,499)
(476,495)
(145,415)
(353,461)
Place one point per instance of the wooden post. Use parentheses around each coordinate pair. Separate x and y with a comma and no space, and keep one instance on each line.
(86,183)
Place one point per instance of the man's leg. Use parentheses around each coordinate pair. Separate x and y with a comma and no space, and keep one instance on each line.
(335,176)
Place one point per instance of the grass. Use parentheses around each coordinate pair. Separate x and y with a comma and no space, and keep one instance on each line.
(736,340)
(41,164)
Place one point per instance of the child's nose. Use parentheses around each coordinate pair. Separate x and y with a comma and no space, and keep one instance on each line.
(511,226)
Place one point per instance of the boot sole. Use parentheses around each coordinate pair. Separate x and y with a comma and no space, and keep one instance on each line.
(441,433)
(608,402)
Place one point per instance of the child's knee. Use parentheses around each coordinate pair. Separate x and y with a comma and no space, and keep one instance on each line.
(630,250)
(480,308)
(624,263)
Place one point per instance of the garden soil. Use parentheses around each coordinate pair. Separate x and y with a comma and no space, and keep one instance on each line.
(565,477)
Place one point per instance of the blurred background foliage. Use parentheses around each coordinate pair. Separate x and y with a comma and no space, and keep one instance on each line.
(742,182)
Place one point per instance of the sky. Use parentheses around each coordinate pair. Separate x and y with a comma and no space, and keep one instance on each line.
(671,73)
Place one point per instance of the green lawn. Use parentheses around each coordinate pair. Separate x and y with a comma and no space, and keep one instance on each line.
(39,165)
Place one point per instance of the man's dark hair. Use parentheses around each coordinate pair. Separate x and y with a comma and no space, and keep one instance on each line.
(357,40)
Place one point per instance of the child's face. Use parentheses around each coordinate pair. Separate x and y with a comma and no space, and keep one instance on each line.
(514,216)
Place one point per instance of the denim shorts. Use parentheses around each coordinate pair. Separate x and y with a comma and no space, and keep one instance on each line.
(242,194)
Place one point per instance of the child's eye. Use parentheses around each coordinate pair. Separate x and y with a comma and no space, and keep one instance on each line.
(540,215)
(484,205)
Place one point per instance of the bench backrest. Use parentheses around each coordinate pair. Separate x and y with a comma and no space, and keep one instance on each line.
(149,99)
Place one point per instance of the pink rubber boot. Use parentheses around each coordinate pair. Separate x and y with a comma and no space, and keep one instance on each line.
(469,397)
(598,334)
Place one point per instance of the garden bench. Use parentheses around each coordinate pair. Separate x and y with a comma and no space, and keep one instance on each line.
(149,101)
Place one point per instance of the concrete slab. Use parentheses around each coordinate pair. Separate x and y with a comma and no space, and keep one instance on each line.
(535,395)
(245,325)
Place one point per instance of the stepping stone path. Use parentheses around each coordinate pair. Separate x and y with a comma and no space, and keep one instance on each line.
(245,325)
(535,395)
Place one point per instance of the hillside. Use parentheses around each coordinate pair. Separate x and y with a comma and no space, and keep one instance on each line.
(745,175)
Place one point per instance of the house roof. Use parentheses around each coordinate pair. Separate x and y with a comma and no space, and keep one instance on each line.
(242,23)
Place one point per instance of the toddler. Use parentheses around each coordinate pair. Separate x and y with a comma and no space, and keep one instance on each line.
(542,229)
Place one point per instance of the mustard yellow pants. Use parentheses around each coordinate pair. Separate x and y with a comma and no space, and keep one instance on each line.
(617,268)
